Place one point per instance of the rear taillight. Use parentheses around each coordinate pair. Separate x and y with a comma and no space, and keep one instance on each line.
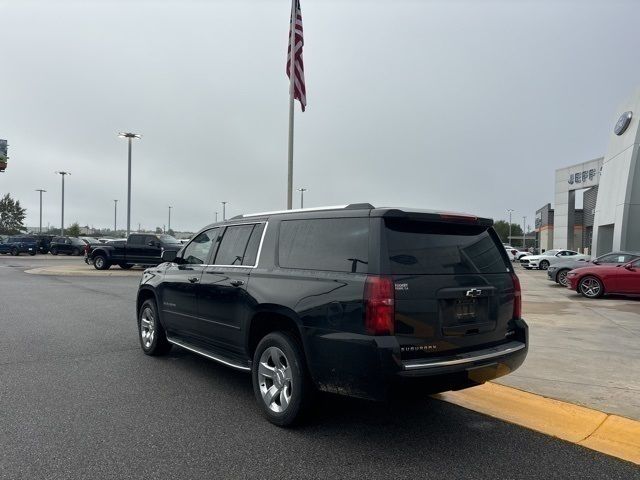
(379,305)
(517,296)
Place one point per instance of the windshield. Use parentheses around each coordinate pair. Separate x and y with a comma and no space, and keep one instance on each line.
(441,248)
(168,239)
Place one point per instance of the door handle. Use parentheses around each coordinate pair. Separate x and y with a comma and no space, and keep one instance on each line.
(237,283)
(193,279)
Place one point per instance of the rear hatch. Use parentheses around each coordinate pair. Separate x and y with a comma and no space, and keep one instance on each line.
(454,285)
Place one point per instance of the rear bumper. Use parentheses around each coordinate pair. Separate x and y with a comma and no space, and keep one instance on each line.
(371,367)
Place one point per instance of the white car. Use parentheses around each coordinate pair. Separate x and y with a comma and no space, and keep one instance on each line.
(514,254)
(550,257)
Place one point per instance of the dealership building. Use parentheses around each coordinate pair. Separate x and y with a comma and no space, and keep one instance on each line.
(610,188)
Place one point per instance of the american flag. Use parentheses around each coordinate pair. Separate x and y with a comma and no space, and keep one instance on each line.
(299,90)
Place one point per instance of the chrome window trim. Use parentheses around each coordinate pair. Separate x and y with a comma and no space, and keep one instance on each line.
(446,363)
(264,232)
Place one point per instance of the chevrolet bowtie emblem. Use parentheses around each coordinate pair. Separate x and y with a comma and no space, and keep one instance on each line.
(474,292)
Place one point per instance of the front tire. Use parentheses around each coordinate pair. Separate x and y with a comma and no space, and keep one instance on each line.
(100,262)
(591,287)
(543,265)
(153,339)
(15,252)
(54,251)
(561,277)
(75,252)
(281,384)
(125,266)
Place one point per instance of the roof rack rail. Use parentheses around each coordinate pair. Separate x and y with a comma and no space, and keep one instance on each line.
(351,206)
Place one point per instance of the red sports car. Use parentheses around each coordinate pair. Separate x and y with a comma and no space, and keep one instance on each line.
(593,281)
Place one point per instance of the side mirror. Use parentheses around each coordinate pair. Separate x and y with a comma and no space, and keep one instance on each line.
(169,255)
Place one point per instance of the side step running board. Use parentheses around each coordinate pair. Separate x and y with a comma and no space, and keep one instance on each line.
(204,353)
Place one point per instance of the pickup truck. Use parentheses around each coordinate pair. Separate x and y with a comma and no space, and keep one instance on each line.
(139,249)
(15,245)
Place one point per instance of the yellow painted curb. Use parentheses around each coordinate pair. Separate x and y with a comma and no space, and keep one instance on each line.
(610,434)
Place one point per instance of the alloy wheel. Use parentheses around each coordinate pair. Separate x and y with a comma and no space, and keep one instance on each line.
(590,287)
(562,278)
(147,327)
(99,263)
(275,378)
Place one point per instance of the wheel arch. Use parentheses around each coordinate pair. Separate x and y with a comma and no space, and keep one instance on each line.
(269,318)
(145,293)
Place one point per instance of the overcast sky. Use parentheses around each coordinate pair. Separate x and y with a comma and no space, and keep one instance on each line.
(454,105)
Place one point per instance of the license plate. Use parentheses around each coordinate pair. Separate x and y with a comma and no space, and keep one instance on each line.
(465,309)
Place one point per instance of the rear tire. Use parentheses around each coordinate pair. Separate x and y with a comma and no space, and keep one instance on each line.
(32,253)
(591,287)
(125,266)
(281,384)
(75,252)
(15,252)
(101,263)
(54,251)
(153,339)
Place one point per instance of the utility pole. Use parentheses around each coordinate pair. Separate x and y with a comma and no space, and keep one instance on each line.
(115,216)
(129,136)
(302,190)
(224,211)
(63,174)
(169,223)
(41,192)
(524,230)
(510,210)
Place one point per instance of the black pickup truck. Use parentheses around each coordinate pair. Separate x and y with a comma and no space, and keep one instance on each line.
(139,249)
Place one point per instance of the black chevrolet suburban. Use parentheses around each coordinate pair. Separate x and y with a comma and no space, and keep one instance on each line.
(353,300)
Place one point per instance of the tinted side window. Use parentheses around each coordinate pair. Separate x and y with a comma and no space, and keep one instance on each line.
(332,244)
(136,240)
(198,250)
(251,255)
(233,245)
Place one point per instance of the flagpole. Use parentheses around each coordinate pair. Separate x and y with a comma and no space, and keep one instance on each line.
(292,62)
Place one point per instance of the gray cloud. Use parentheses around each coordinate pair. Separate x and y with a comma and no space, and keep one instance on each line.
(456,105)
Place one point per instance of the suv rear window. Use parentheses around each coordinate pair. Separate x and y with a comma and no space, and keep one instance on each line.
(332,244)
(416,247)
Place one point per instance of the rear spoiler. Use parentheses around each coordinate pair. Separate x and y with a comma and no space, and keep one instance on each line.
(434,216)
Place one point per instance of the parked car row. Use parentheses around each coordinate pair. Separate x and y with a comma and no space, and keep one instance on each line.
(612,273)
(32,244)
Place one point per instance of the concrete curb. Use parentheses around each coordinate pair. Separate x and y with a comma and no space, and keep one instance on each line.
(609,434)
(82,271)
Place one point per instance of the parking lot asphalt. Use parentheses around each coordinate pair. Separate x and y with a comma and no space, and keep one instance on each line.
(78,399)
(584,351)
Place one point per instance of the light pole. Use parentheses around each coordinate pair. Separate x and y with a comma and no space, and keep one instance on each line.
(510,210)
(169,223)
(224,211)
(302,190)
(216,217)
(524,230)
(115,216)
(129,136)
(62,174)
(41,192)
